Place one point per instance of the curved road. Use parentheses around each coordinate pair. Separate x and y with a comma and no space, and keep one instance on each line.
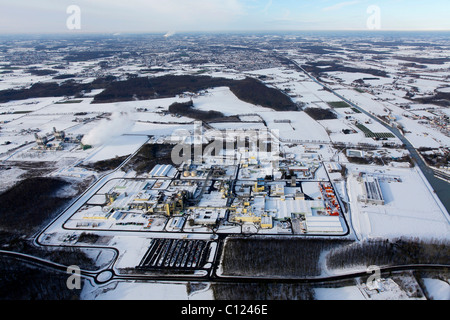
(108,275)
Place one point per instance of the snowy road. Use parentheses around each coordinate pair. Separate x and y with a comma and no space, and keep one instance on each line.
(57,224)
(439,187)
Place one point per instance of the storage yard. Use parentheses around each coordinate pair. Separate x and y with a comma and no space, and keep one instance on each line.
(175,254)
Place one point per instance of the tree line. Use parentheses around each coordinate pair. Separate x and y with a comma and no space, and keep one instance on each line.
(272,257)
(249,90)
(390,252)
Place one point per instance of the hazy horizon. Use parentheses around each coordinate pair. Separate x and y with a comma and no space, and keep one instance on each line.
(140,16)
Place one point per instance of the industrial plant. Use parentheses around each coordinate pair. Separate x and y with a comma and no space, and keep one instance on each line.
(251,196)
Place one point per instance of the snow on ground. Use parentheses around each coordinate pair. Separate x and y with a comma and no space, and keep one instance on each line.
(364,100)
(423,136)
(158,117)
(19,79)
(410,209)
(426,86)
(400,216)
(445,89)
(335,127)
(118,147)
(437,289)
(9,177)
(302,126)
(134,290)
(321,105)
(342,293)
(238,126)
(32,104)
(310,92)
(420,136)
(159,130)
(30,122)
(223,100)
(420,106)
(349,77)
(86,105)
(132,249)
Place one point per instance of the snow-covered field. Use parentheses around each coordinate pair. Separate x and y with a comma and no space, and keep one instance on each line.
(135,290)
(423,217)
(301,127)
(223,100)
(118,147)
(119,129)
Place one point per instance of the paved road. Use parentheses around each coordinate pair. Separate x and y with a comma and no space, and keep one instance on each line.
(84,197)
(107,275)
(440,187)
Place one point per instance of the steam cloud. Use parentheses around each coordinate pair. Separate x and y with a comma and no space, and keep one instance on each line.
(119,124)
(169,34)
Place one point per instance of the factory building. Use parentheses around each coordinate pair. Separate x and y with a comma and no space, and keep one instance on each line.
(41,141)
(316,224)
(163,171)
(371,190)
(355,153)
(59,135)
(246,217)
(283,209)
(287,203)
(266,222)
(334,167)
(207,216)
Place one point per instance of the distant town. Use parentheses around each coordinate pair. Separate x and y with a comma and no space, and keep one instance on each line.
(226,166)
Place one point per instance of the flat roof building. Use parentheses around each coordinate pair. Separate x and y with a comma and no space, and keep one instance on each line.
(323,224)
(162,171)
(371,191)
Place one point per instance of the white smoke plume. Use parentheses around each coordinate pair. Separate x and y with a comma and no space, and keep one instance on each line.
(117,125)
(169,34)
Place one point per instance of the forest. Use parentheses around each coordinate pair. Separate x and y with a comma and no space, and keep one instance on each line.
(30,204)
(41,72)
(328,66)
(249,90)
(320,114)
(26,208)
(149,156)
(53,89)
(105,165)
(303,258)
(276,257)
(186,109)
(21,281)
(441,99)
(262,291)
(142,88)
(390,252)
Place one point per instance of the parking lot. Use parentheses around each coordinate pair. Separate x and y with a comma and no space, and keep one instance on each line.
(175,254)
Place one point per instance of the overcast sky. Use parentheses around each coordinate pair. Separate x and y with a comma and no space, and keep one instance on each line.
(112,16)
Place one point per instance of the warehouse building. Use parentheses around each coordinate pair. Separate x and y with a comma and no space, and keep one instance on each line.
(266,222)
(355,153)
(371,190)
(322,224)
(163,171)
